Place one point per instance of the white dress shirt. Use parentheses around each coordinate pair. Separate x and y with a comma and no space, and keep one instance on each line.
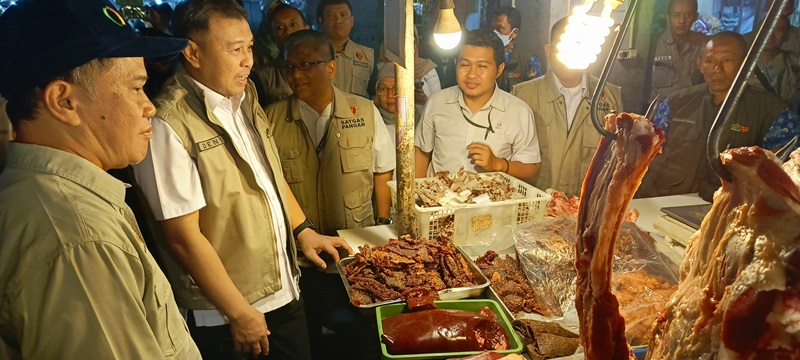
(572,98)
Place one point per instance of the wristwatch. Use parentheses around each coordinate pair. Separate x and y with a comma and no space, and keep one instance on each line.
(308,224)
(383,221)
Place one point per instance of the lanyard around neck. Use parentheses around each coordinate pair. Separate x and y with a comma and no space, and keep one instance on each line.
(488,128)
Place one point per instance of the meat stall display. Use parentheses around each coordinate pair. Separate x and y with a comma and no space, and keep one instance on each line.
(739,294)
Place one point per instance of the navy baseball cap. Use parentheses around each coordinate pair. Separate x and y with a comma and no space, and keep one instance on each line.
(42,39)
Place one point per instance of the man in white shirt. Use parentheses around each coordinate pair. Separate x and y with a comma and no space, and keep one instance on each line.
(214,182)
(561,102)
(475,124)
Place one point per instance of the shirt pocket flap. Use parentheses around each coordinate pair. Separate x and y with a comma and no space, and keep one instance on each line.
(356,153)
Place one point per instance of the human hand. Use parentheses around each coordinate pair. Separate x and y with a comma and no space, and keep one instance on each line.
(249,331)
(313,244)
(482,155)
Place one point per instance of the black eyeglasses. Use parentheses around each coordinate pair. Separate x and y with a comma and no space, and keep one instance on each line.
(303,66)
(383,91)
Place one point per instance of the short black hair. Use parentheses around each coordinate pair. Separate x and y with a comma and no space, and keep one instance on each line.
(281,7)
(486,38)
(513,16)
(730,36)
(558,29)
(672,2)
(191,17)
(317,40)
(325,3)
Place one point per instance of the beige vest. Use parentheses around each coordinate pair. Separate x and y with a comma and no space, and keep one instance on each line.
(354,68)
(334,189)
(236,219)
(272,81)
(566,154)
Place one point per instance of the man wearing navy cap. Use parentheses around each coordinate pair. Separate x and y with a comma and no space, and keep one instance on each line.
(76,280)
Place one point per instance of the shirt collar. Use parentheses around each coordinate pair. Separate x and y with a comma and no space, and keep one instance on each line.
(214,98)
(47,160)
(563,89)
(497,101)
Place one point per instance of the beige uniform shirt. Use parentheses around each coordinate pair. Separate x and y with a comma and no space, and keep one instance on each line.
(353,68)
(77,281)
(567,150)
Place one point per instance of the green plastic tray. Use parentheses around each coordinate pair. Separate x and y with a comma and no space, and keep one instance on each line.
(473,305)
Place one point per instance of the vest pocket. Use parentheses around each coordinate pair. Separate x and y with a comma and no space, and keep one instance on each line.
(358,209)
(355,153)
(292,165)
(167,325)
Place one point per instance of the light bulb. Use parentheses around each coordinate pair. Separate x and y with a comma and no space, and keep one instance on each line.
(585,35)
(447,31)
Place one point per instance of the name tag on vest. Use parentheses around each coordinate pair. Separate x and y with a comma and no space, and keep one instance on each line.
(663,58)
(353,123)
(210,143)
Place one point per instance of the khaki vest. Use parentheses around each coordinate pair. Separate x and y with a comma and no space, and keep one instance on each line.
(272,81)
(682,167)
(236,219)
(566,154)
(354,68)
(335,189)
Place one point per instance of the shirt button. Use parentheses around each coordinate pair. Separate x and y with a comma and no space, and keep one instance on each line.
(338,135)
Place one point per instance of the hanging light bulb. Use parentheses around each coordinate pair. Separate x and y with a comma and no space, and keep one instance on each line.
(585,35)
(447,31)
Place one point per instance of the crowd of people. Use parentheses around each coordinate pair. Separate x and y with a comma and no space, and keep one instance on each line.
(248,152)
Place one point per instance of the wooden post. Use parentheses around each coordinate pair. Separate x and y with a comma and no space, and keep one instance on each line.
(406,223)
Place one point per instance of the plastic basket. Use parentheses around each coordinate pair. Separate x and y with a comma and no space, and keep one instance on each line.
(480,223)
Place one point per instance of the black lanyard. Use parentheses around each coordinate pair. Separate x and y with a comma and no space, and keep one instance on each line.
(488,128)
(324,138)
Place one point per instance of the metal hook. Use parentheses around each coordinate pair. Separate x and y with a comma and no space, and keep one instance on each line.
(713,145)
(784,152)
(651,110)
(601,84)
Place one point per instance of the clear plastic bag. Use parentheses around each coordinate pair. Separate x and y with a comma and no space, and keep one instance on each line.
(642,279)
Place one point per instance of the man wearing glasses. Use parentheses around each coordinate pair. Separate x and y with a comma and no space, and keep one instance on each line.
(336,155)
(475,124)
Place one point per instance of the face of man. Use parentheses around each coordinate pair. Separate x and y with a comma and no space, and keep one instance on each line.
(779,34)
(681,17)
(285,23)
(225,55)
(501,25)
(314,82)
(337,21)
(561,71)
(720,63)
(117,113)
(387,94)
(476,71)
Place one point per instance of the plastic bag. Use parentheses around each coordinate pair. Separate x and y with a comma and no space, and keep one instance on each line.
(642,280)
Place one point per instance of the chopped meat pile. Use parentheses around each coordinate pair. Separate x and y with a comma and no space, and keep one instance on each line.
(464,186)
(739,294)
(509,281)
(545,340)
(614,176)
(562,206)
(394,270)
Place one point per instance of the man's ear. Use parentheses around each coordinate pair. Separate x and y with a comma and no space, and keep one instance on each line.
(331,67)
(192,54)
(500,70)
(60,101)
(699,64)
(513,34)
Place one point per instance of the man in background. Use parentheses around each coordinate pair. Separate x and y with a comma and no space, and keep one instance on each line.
(506,22)
(354,62)
(561,102)
(677,48)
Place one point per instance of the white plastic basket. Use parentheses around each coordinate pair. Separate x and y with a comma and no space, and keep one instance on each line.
(476,224)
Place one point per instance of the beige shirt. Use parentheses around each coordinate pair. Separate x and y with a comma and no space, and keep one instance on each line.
(353,68)
(77,281)
(675,69)
(445,131)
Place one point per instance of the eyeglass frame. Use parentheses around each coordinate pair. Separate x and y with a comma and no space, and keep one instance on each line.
(302,66)
(387,89)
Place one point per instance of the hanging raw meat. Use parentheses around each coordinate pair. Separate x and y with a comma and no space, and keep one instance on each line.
(739,294)
(613,177)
